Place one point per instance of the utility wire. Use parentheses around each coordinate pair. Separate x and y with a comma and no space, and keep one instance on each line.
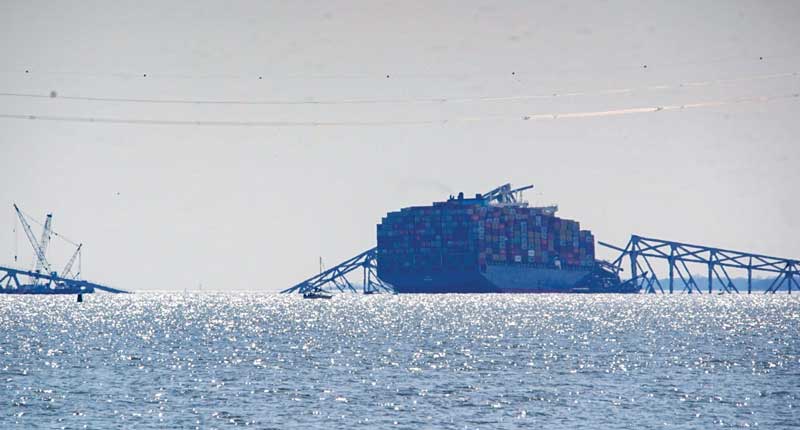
(216,123)
(632,64)
(535,116)
(614,91)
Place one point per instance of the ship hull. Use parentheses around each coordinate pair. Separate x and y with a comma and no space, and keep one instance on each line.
(45,289)
(498,279)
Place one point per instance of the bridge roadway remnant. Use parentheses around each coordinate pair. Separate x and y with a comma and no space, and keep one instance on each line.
(641,250)
(336,277)
(48,283)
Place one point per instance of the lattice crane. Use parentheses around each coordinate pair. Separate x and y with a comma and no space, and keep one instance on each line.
(68,268)
(41,259)
(44,242)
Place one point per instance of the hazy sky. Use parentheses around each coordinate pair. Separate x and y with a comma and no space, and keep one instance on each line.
(169,205)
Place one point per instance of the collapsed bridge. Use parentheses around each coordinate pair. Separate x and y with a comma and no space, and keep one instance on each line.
(47,283)
(496,243)
(641,253)
(44,278)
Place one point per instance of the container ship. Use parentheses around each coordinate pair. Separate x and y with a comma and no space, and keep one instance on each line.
(492,243)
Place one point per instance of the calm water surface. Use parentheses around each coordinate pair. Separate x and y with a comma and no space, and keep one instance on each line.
(156,360)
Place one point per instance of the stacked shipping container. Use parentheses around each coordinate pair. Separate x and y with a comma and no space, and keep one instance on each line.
(469,234)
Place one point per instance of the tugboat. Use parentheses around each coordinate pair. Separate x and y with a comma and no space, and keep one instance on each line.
(317,294)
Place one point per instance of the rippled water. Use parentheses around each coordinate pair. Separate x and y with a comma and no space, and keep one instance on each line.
(455,361)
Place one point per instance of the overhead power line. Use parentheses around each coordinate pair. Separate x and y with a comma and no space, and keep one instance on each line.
(548,95)
(255,75)
(281,123)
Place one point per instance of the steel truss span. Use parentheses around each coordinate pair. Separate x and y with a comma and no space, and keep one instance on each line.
(335,278)
(54,284)
(642,251)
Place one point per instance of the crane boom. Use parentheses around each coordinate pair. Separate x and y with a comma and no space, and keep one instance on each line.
(32,239)
(68,268)
(45,240)
(521,189)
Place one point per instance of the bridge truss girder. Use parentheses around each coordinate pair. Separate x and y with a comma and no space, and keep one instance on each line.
(640,250)
(336,277)
(10,280)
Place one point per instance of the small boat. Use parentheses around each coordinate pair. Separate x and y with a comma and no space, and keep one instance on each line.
(318,294)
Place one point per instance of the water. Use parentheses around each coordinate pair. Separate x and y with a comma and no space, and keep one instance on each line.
(459,361)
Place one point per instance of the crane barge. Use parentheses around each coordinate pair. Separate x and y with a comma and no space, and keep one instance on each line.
(43,279)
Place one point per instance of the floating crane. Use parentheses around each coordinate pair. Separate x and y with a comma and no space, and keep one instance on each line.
(43,279)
